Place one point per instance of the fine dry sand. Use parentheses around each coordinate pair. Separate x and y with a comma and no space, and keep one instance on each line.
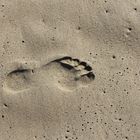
(69,69)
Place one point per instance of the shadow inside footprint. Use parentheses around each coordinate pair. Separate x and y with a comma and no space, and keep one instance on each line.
(76,65)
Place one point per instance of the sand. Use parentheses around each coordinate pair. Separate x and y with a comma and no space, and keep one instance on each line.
(69,69)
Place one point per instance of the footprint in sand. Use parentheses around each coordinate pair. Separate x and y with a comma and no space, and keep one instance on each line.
(65,73)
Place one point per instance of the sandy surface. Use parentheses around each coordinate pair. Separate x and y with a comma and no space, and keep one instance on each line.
(69,69)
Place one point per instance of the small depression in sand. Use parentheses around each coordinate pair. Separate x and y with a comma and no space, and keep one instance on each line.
(18,80)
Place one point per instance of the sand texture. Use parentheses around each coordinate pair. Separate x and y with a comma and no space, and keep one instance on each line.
(69,69)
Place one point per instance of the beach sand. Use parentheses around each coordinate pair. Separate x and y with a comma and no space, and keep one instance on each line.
(69,69)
